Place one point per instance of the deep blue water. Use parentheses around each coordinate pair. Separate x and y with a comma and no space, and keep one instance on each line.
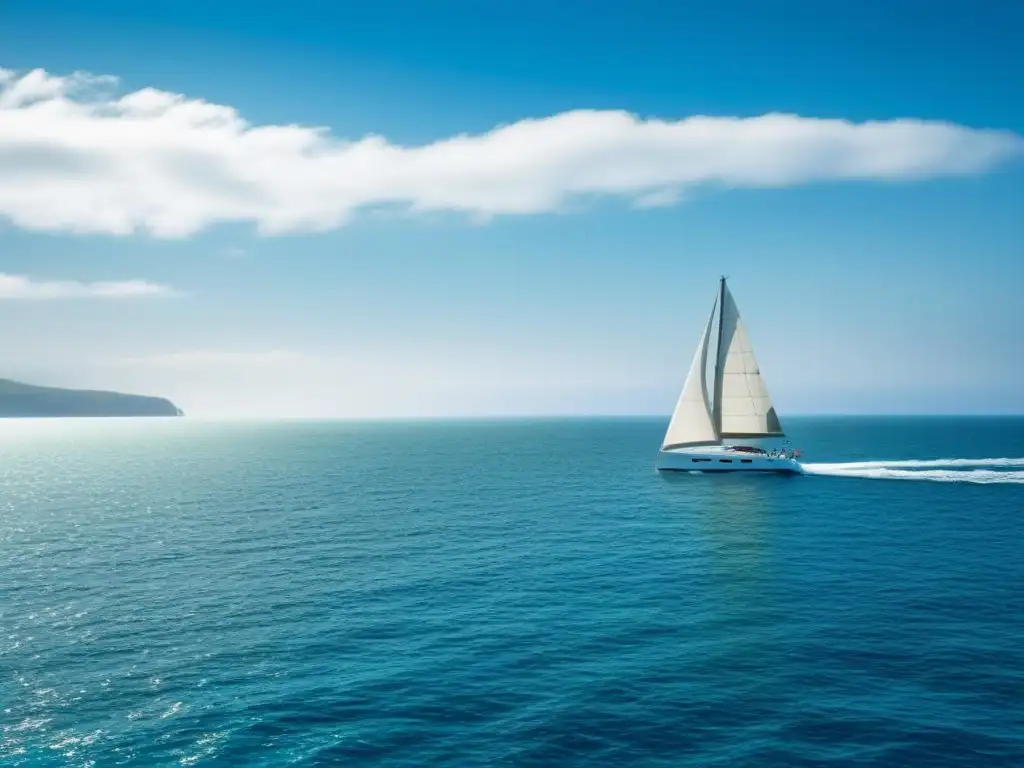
(503,594)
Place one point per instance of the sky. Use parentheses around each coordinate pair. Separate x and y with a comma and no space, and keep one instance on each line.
(458,209)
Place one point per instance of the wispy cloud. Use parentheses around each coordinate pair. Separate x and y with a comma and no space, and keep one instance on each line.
(76,156)
(211,357)
(661,198)
(15,287)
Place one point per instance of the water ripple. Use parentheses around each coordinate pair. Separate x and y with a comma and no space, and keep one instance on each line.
(478,594)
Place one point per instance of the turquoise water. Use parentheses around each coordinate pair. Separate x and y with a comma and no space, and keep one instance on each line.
(507,594)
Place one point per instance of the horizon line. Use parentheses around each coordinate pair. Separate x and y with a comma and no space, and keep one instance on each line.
(504,417)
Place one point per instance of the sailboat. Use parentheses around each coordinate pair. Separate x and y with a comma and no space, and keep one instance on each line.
(702,432)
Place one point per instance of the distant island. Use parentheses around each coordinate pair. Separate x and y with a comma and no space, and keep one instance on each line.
(18,400)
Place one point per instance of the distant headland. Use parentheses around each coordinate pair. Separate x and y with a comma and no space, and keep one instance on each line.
(18,400)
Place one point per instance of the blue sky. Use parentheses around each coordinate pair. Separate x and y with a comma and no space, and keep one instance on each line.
(896,292)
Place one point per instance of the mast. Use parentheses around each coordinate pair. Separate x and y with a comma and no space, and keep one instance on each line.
(716,406)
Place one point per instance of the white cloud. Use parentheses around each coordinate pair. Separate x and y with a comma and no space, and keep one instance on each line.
(75,156)
(25,288)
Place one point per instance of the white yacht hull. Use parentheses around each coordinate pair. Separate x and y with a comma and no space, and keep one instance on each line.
(722,459)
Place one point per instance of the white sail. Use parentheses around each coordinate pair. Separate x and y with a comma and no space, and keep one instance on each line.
(691,422)
(743,407)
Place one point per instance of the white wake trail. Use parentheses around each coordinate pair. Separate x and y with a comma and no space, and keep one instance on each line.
(981,471)
(924,464)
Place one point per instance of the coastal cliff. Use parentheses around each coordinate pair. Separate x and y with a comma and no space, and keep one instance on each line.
(18,400)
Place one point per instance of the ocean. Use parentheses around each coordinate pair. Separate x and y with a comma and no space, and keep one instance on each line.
(508,593)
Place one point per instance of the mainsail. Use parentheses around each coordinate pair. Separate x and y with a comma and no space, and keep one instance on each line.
(741,406)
